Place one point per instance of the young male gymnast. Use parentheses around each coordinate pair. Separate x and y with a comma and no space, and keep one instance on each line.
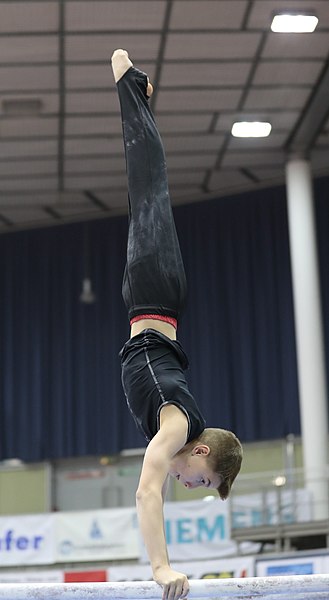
(153,361)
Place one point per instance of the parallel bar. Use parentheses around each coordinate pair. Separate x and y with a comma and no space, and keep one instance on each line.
(297,587)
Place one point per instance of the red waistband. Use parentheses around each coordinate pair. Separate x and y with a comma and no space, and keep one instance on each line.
(164,318)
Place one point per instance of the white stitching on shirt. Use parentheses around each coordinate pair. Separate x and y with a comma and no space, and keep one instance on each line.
(158,386)
(161,394)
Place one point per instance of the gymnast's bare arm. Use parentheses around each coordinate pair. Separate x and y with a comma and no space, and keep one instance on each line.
(170,438)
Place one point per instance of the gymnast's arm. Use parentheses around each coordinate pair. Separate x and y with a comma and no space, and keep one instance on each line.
(170,438)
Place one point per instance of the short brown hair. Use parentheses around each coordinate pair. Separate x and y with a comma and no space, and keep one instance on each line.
(225,456)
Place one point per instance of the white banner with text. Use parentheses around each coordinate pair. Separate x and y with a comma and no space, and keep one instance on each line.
(35,576)
(27,540)
(97,535)
(305,565)
(197,529)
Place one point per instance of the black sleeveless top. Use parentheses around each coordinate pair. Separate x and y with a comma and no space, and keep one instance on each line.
(153,375)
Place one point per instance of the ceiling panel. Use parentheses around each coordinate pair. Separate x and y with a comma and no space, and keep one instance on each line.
(211,45)
(269,98)
(193,143)
(304,46)
(80,210)
(181,194)
(19,168)
(51,199)
(116,199)
(88,77)
(186,177)
(202,100)
(188,161)
(98,47)
(214,14)
(319,159)
(91,165)
(114,15)
(28,79)
(249,159)
(29,49)
(322,141)
(93,124)
(268,174)
(180,123)
(36,184)
(93,76)
(29,16)
(208,74)
(92,102)
(28,127)
(288,73)
(80,147)
(227,179)
(27,149)
(25,216)
(95,182)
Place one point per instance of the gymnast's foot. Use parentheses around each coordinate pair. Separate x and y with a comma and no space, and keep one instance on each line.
(120,65)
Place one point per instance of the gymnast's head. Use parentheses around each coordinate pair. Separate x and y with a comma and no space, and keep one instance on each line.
(225,457)
(212,460)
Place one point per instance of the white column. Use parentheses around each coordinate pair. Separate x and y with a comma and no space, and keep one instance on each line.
(309,333)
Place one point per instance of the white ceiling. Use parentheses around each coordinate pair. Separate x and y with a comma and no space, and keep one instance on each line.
(212,62)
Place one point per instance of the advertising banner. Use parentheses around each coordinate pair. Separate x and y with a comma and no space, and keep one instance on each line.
(310,565)
(27,540)
(97,535)
(27,576)
(271,507)
(211,569)
(85,576)
(196,528)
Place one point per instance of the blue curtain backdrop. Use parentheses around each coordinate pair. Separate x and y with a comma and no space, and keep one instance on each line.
(61,394)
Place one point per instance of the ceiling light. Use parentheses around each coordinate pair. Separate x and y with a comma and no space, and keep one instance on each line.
(251,129)
(87,295)
(294,23)
(279,481)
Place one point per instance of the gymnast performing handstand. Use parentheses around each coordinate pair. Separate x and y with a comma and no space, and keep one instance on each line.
(153,361)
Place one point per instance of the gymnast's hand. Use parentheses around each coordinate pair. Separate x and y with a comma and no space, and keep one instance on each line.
(175,585)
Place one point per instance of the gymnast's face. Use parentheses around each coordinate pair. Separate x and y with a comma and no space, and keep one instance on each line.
(193,469)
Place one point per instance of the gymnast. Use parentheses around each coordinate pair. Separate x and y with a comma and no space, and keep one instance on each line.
(153,361)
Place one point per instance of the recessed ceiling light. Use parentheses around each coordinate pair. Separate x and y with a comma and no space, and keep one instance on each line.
(253,129)
(294,23)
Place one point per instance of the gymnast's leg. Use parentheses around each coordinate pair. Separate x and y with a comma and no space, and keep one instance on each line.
(154,280)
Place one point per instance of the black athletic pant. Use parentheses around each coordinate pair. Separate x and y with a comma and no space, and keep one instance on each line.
(154,280)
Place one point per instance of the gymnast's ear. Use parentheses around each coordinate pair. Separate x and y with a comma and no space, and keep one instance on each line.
(201,449)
